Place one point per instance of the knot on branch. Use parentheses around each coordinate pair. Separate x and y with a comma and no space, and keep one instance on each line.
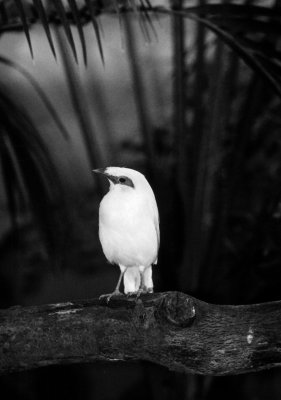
(178,309)
(143,316)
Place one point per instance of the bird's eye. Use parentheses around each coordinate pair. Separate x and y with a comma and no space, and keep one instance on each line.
(122,180)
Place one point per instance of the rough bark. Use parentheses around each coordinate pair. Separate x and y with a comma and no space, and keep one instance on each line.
(170,329)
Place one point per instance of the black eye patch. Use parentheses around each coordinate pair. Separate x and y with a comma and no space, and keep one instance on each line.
(124,180)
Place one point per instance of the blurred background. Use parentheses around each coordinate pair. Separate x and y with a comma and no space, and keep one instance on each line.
(189,97)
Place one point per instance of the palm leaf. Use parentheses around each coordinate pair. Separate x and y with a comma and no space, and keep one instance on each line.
(40,93)
(20,7)
(11,179)
(146,18)
(44,20)
(228,38)
(75,13)
(91,9)
(197,164)
(234,10)
(58,4)
(81,107)
(249,58)
(224,19)
(29,174)
(139,93)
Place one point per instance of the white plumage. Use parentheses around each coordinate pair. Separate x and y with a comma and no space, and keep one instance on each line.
(129,228)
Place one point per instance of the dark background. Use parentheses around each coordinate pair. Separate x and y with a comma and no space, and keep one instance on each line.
(201,118)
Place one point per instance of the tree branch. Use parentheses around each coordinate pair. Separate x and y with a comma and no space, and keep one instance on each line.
(170,329)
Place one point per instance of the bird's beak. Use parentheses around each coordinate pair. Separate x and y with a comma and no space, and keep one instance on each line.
(102,171)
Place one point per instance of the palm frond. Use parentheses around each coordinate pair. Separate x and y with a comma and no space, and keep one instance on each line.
(78,23)
(20,6)
(228,21)
(40,93)
(12,183)
(44,20)
(92,13)
(31,181)
(248,57)
(81,107)
(235,11)
(139,93)
(197,164)
(58,5)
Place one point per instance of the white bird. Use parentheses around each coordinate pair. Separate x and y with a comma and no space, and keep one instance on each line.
(129,229)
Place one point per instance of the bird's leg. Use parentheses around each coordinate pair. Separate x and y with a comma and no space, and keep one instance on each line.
(131,281)
(116,291)
(142,288)
(148,281)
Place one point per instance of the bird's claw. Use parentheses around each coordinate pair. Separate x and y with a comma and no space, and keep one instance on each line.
(144,290)
(108,296)
(131,294)
(136,294)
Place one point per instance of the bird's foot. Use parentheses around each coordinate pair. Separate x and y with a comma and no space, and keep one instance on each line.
(108,296)
(131,294)
(144,290)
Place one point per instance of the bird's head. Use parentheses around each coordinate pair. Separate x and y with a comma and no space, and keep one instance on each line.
(123,177)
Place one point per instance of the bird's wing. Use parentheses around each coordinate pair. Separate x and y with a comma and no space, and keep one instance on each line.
(156,224)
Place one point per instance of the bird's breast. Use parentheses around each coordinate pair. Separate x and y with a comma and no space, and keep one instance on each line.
(124,211)
(127,230)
